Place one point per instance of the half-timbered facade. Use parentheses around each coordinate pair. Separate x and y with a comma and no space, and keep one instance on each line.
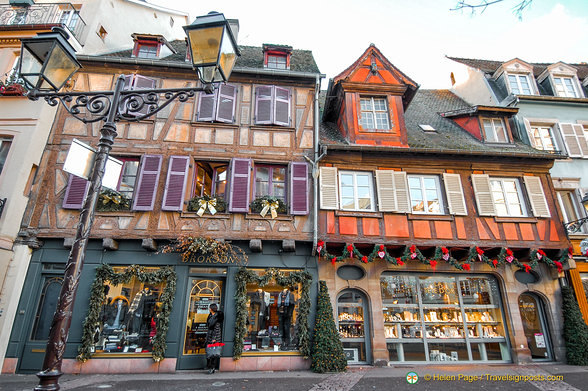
(437,225)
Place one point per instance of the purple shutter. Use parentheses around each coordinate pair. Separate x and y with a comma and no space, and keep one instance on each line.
(240,182)
(147,182)
(206,106)
(227,97)
(299,188)
(143,83)
(175,184)
(77,188)
(263,104)
(282,106)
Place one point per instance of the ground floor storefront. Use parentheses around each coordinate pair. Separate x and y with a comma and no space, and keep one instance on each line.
(138,310)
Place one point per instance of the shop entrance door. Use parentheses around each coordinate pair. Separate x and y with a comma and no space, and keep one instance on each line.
(353,318)
(202,293)
(535,327)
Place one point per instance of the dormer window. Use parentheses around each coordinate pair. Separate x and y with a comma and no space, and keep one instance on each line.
(519,84)
(146,50)
(276,61)
(495,130)
(517,75)
(374,114)
(276,56)
(151,46)
(565,87)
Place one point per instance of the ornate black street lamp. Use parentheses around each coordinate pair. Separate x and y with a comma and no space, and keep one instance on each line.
(576,226)
(47,63)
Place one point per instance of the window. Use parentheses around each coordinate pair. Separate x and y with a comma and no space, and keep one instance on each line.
(211,179)
(425,194)
(218,106)
(356,190)
(5,143)
(495,130)
(272,106)
(569,204)
(128,176)
(574,136)
(47,305)
(508,199)
(102,33)
(519,84)
(270,181)
(70,18)
(146,51)
(543,138)
(565,87)
(276,62)
(374,114)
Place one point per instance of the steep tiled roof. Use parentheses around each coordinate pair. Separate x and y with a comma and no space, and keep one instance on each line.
(449,137)
(490,66)
(251,57)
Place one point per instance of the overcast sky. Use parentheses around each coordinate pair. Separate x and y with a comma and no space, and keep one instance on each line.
(415,35)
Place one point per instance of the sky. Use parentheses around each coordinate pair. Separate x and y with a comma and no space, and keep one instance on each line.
(415,35)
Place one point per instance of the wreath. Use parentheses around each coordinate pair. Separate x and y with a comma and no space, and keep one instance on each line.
(246,276)
(219,251)
(207,204)
(258,204)
(105,273)
(112,201)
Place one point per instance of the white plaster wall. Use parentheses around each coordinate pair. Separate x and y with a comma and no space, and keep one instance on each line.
(471,86)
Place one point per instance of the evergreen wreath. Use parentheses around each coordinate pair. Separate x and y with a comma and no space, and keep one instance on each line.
(104,273)
(194,204)
(112,201)
(258,204)
(246,276)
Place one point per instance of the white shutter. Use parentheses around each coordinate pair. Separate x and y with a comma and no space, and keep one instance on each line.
(483,193)
(572,144)
(386,190)
(454,192)
(401,191)
(536,196)
(579,129)
(529,132)
(328,188)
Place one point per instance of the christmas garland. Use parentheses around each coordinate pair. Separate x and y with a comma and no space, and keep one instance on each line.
(192,247)
(245,276)
(475,254)
(105,273)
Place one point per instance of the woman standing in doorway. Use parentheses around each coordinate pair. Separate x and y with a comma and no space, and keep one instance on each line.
(214,337)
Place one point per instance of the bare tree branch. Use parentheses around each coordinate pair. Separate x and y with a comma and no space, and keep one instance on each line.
(482,5)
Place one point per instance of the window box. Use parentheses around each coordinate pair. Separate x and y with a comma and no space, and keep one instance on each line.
(204,204)
(112,201)
(266,204)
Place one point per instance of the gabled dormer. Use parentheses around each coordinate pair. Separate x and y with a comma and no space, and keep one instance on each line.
(489,124)
(151,46)
(517,77)
(561,80)
(276,56)
(367,101)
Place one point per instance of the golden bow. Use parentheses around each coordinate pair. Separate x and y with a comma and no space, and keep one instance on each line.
(271,206)
(206,204)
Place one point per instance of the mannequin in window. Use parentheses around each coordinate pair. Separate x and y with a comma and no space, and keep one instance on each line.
(117,313)
(285,311)
(259,308)
(141,311)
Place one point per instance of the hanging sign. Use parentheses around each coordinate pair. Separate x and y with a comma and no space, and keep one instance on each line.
(80,162)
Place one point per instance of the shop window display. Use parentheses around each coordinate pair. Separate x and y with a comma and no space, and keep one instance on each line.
(271,317)
(128,317)
(443,318)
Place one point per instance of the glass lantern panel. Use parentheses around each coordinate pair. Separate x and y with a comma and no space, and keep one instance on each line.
(60,67)
(205,44)
(227,55)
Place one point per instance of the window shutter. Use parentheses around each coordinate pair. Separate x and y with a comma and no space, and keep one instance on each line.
(299,204)
(282,106)
(572,144)
(206,106)
(454,192)
(240,185)
(401,191)
(227,98)
(263,104)
(77,188)
(529,132)
(484,199)
(386,190)
(175,184)
(580,134)
(328,188)
(143,83)
(147,182)
(536,196)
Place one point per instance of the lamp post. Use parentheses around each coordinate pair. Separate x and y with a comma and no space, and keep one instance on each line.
(47,63)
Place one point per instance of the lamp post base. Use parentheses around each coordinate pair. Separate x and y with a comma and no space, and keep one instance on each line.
(48,381)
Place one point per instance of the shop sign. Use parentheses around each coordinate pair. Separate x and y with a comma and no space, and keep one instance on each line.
(203,259)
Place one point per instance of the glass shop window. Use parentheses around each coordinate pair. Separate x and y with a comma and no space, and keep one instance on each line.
(272,317)
(129,316)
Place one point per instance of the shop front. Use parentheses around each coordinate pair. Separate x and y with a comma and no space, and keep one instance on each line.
(139,311)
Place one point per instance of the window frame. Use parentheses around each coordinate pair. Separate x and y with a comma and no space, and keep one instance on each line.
(139,45)
(518,77)
(271,64)
(370,177)
(270,180)
(438,188)
(551,135)
(374,112)
(521,197)
(563,90)
(495,133)
(126,160)
(215,166)
(4,153)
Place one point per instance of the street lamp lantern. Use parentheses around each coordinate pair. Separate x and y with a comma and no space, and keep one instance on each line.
(47,61)
(213,48)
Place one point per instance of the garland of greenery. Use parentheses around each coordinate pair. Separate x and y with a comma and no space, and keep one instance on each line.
(194,204)
(105,273)
(475,254)
(245,276)
(219,251)
(258,204)
(112,201)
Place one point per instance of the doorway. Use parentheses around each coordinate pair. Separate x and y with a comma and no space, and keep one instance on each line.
(353,318)
(535,326)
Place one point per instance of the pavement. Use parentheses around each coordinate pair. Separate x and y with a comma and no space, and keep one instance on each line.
(543,377)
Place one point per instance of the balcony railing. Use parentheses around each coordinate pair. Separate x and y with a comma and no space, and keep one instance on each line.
(44,14)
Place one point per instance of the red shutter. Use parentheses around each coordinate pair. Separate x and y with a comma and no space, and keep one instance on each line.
(299,188)
(282,106)
(175,184)
(263,104)
(227,97)
(147,182)
(240,182)
(206,106)
(77,188)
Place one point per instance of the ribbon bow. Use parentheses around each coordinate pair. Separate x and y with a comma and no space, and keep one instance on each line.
(210,205)
(271,206)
